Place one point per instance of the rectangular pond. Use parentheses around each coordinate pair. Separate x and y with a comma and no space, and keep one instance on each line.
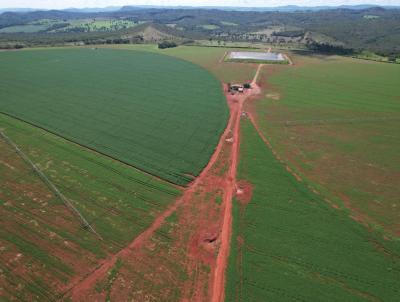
(259,56)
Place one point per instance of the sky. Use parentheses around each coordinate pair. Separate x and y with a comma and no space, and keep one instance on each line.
(58,4)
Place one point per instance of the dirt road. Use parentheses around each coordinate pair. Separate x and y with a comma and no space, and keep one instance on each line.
(218,292)
(254,81)
(229,190)
(289,59)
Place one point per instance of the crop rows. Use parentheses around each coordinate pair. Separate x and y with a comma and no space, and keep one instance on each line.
(337,123)
(295,247)
(119,202)
(157,113)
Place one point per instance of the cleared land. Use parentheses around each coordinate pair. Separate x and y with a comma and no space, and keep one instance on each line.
(289,244)
(157,113)
(43,248)
(336,122)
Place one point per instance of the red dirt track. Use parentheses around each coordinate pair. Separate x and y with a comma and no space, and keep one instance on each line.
(230,186)
(79,289)
(218,292)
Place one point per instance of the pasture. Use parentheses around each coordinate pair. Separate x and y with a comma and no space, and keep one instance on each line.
(289,244)
(154,112)
(29,28)
(336,122)
(71,25)
(99,24)
(43,245)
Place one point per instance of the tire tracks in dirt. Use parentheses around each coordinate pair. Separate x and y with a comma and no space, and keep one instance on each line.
(79,288)
(218,291)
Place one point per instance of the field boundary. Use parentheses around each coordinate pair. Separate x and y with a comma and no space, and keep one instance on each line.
(92,149)
(50,184)
(334,121)
(223,57)
(266,62)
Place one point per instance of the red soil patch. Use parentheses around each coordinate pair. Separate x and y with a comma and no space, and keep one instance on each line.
(236,101)
(81,287)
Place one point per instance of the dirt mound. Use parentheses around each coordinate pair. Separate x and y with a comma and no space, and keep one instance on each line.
(244,191)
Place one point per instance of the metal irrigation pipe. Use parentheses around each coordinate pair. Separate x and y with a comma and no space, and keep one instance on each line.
(47,181)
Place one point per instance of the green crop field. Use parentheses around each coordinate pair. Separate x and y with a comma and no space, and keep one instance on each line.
(89,25)
(29,28)
(160,114)
(289,244)
(211,58)
(336,121)
(42,244)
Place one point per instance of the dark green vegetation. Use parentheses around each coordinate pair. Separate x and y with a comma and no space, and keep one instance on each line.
(157,113)
(290,245)
(166,44)
(336,121)
(42,244)
(373,29)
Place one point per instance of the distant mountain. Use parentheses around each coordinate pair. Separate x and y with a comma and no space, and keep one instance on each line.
(287,8)
(17,10)
(94,9)
(69,10)
(293,8)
